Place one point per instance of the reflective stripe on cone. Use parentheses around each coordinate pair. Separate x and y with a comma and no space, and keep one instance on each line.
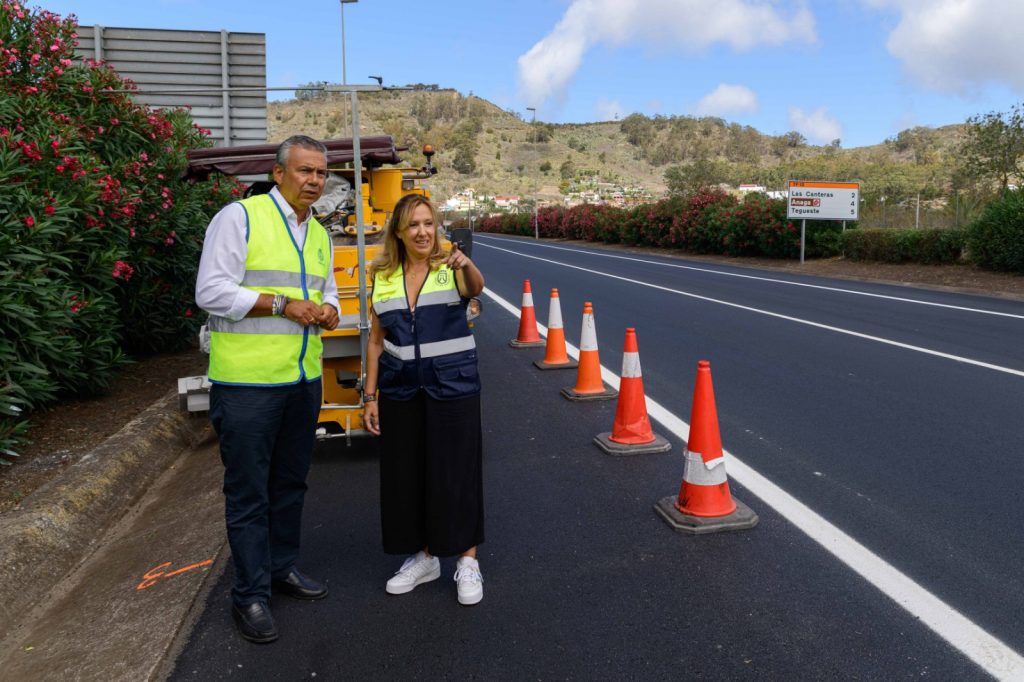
(704,503)
(528,336)
(555,356)
(589,385)
(631,432)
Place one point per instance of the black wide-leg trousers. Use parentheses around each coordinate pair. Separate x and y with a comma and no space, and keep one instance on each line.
(431,480)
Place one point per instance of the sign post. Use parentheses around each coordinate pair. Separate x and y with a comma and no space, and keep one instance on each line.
(821,201)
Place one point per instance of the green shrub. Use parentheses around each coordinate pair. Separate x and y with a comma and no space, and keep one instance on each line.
(996,240)
(930,247)
(758,227)
(99,236)
(823,239)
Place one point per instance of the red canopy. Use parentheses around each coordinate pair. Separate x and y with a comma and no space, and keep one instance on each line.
(258,159)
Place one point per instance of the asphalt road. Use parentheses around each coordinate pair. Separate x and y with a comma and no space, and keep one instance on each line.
(894,421)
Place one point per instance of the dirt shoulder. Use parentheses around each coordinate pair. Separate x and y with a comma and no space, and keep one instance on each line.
(71,428)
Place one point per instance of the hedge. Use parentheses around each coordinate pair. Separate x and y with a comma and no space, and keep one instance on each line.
(99,235)
(996,239)
(930,247)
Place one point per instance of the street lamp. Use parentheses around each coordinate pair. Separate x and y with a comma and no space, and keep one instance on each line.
(533,122)
(344,77)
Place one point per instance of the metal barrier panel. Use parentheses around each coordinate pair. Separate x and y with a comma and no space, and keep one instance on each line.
(208,71)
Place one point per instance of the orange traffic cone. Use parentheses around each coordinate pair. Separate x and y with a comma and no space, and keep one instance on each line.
(555,356)
(704,504)
(528,336)
(588,375)
(631,434)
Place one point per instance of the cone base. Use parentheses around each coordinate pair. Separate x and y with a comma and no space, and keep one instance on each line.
(576,396)
(568,364)
(741,519)
(604,441)
(516,343)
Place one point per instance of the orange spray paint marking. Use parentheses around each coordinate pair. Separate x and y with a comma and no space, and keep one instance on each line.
(156,573)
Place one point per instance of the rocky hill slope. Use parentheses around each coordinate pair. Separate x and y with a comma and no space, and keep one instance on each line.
(495,151)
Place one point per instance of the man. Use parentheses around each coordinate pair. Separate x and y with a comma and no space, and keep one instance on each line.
(266,277)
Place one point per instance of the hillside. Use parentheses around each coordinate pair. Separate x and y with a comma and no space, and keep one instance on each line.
(496,152)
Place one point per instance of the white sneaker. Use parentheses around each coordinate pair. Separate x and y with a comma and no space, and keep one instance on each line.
(417,569)
(470,582)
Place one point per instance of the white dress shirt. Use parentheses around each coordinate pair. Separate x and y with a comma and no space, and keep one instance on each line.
(222,265)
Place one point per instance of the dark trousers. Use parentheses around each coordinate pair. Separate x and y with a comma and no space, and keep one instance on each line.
(431,479)
(266,444)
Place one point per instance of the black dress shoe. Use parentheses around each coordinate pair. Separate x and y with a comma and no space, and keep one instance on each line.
(300,586)
(255,622)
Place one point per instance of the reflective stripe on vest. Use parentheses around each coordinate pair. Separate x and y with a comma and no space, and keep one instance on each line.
(275,278)
(431,350)
(273,351)
(432,347)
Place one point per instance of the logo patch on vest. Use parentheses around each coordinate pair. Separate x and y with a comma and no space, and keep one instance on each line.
(442,277)
(320,255)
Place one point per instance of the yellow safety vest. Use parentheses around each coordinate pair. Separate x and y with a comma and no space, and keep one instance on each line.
(273,351)
(430,348)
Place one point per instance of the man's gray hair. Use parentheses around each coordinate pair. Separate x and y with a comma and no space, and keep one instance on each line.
(303,141)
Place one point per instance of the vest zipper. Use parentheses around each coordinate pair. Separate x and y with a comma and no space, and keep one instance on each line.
(412,324)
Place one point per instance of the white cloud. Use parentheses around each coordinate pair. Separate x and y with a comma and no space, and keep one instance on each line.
(726,99)
(818,126)
(957,46)
(608,109)
(546,68)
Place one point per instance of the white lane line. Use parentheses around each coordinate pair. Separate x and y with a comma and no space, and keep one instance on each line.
(819,325)
(773,280)
(985,650)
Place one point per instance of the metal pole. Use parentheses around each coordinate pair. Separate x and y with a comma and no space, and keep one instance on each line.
(536,229)
(344,78)
(97,42)
(357,164)
(803,238)
(225,82)
(917,213)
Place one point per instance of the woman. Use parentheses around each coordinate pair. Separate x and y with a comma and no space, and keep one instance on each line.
(422,359)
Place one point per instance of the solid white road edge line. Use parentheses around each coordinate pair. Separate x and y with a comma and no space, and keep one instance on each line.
(819,325)
(771,279)
(988,652)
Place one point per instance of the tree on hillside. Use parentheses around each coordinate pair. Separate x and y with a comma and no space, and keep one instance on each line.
(311,90)
(994,146)
(542,132)
(921,141)
(465,158)
(687,179)
(794,139)
(567,171)
(638,129)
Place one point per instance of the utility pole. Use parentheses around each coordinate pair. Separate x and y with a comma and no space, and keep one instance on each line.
(533,124)
(344,76)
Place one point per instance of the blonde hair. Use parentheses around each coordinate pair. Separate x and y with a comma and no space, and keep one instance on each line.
(392,254)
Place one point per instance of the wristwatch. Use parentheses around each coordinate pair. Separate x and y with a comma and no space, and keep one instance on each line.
(369,397)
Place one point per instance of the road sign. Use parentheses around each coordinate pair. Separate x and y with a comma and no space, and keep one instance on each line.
(823,200)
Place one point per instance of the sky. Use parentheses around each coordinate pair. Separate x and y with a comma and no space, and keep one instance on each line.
(855,70)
